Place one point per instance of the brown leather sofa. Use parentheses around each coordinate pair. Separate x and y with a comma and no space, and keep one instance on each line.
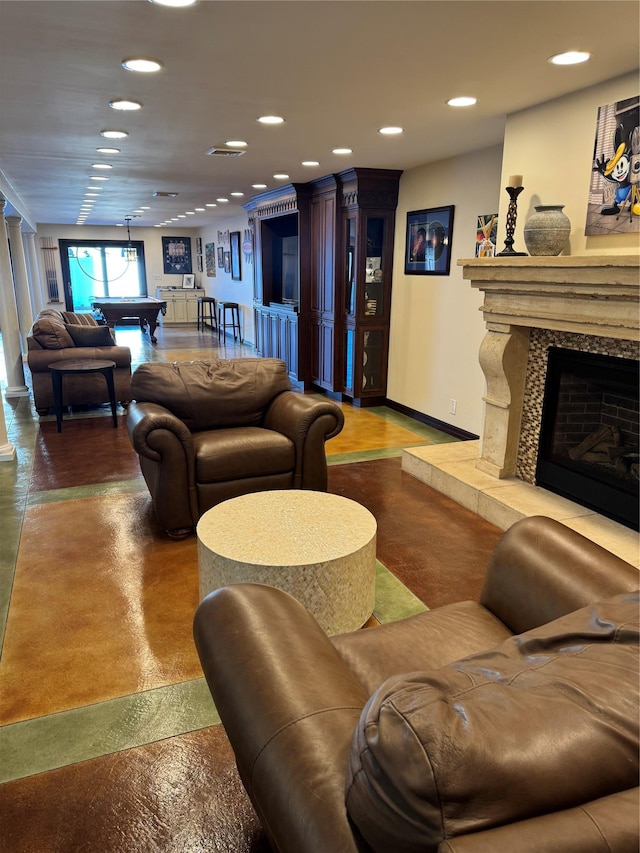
(207,431)
(508,725)
(60,336)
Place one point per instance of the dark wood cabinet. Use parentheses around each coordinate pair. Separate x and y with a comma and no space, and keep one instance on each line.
(323,275)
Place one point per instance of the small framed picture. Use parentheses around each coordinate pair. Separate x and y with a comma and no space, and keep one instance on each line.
(227,261)
(220,255)
(236,271)
(189,281)
(428,241)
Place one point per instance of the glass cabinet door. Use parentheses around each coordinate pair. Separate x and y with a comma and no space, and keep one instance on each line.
(374,272)
(350,266)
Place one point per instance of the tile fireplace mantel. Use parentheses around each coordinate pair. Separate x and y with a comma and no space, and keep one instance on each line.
(594,295)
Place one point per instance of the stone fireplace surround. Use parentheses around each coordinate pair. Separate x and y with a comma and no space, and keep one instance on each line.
(591,303)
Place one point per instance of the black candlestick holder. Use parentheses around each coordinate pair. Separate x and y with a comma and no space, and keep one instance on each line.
(512,215)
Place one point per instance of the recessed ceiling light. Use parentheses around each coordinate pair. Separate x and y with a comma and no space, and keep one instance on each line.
(236,143)
(176,3)
(101,166)
(237,195)
(212,204)
(145,207)
(95,188)
(181,216)
(259,186)
(99,178)
(119,224)
(174,218)
(570,57)
(89,195)
(222,200)
(341,151)
(138,210)
(141,63)
(200,210)
(159,226)
(125,104)
(190,212)
(108,150)
(391,131)
(281,176)
(462,101)
(270,119)
(310,163)
(114,134)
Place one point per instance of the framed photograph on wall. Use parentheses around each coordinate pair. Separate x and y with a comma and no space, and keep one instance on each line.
(220,257)
(236,269)
(227,262)
(189,281)
(210,259)
(428,241)
(176,255)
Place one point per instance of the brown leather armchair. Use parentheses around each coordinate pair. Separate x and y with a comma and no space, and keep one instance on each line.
(508,724)
(207,431)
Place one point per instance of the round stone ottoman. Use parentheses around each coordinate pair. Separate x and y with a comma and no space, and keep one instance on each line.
(318,547)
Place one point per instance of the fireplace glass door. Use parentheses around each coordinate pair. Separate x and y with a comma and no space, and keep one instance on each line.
(588,448)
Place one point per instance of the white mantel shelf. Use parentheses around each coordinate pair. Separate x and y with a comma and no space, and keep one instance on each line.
(592,294)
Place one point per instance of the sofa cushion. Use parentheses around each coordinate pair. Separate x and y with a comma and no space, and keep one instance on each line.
(50,332)
(90,336)
(212,394)
(545,721)
(79,319)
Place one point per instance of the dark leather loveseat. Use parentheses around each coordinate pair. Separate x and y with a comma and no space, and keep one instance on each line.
(207,431)
(508,725)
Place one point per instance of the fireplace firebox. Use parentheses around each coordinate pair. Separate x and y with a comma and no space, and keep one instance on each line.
(589,436)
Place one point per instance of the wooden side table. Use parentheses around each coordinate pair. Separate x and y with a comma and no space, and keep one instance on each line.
(76,366)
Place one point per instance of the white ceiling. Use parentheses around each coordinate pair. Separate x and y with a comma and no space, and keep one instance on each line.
(337,71)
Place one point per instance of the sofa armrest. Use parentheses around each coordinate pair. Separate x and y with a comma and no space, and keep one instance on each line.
(541,570)
(609,824)
(289,705)
(155,431)
(309,423)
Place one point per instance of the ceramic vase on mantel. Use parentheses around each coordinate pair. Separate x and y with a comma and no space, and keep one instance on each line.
(546,232)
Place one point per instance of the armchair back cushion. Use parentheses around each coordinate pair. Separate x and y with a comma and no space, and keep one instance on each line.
(213,394)
(545,721)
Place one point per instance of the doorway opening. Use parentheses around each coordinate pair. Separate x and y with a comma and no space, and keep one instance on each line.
(93,269)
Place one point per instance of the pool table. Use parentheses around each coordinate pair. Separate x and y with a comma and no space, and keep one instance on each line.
(145,309)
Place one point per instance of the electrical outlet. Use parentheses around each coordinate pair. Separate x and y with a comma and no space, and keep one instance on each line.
(453,407)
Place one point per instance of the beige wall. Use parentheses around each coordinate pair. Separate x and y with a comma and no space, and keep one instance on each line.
(151,237)
(222,285)
(552,147)
(436,325)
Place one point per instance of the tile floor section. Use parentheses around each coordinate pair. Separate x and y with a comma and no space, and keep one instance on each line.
(109,740)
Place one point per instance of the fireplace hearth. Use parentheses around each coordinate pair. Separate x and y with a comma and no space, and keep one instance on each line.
(589,434)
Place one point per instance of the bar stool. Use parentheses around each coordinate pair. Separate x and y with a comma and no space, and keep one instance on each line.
(234,322)
(207,311)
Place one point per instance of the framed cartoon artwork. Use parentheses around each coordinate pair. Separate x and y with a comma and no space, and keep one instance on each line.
(428,241)
(236,269)
(176,255)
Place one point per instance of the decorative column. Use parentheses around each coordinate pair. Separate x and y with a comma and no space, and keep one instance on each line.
(7,451)
(9,318)
(35,280)
(503,359)
(23,299)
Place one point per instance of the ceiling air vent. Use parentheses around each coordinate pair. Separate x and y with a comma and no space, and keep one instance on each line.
(164,195)
(224,152)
